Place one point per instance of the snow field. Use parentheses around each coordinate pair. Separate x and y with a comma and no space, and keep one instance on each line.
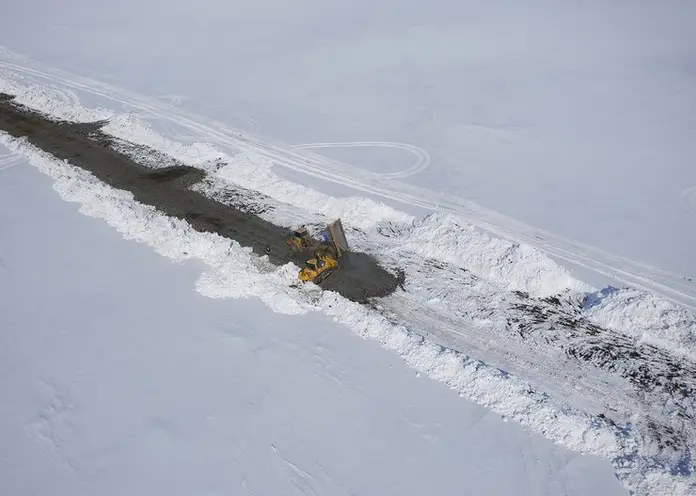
(235,272)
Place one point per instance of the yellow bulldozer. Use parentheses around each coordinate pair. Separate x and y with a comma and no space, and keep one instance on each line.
(327,252)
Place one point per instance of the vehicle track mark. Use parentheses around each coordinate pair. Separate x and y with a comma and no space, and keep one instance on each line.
(422,156)
(10,160)
(300,478)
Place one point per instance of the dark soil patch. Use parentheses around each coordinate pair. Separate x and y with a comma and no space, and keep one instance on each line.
(359,278)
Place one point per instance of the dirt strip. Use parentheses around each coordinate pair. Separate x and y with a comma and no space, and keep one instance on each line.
(359,277)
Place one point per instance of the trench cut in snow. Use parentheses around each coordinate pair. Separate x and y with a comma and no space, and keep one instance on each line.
(225,277)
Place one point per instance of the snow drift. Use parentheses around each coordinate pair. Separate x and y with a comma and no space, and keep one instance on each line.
(646,317)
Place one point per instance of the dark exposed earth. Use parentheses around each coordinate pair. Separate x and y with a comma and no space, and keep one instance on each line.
(359,276)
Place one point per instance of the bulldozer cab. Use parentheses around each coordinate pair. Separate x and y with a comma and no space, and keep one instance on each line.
(317,269)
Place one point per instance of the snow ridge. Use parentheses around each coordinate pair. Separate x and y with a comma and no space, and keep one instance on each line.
(130,127)
(646,317)
(511,266)
(54,103)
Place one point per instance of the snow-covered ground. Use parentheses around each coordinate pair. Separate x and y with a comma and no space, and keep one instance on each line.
(570,126)
(472,292)
(118,378)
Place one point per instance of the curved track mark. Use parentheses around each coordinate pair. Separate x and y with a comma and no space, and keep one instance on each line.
(9,161)
(63,95)
(422,156)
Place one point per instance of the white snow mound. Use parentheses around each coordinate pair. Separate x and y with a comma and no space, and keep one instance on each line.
(133,128)
(256,173)
(648,318)
(55,103)
(511,266)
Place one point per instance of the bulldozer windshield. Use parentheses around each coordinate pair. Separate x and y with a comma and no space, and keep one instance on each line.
(310,264)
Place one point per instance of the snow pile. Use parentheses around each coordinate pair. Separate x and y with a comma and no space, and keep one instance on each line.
(511,266)
(10,86)
(132,128)
(649,318)
(56,104)
(234,271)
(254,172)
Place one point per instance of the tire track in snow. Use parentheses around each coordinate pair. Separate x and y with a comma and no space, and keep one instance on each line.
(670,286)
(300,478)
(422,156)
(62,95)
(252,125)
(10,160)
(687,200)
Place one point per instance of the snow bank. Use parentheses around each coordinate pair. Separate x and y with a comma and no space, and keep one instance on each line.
(648,318)
(511,266)
(440,236)
(254,172)
(55,103)
(235,272)
(132,128)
